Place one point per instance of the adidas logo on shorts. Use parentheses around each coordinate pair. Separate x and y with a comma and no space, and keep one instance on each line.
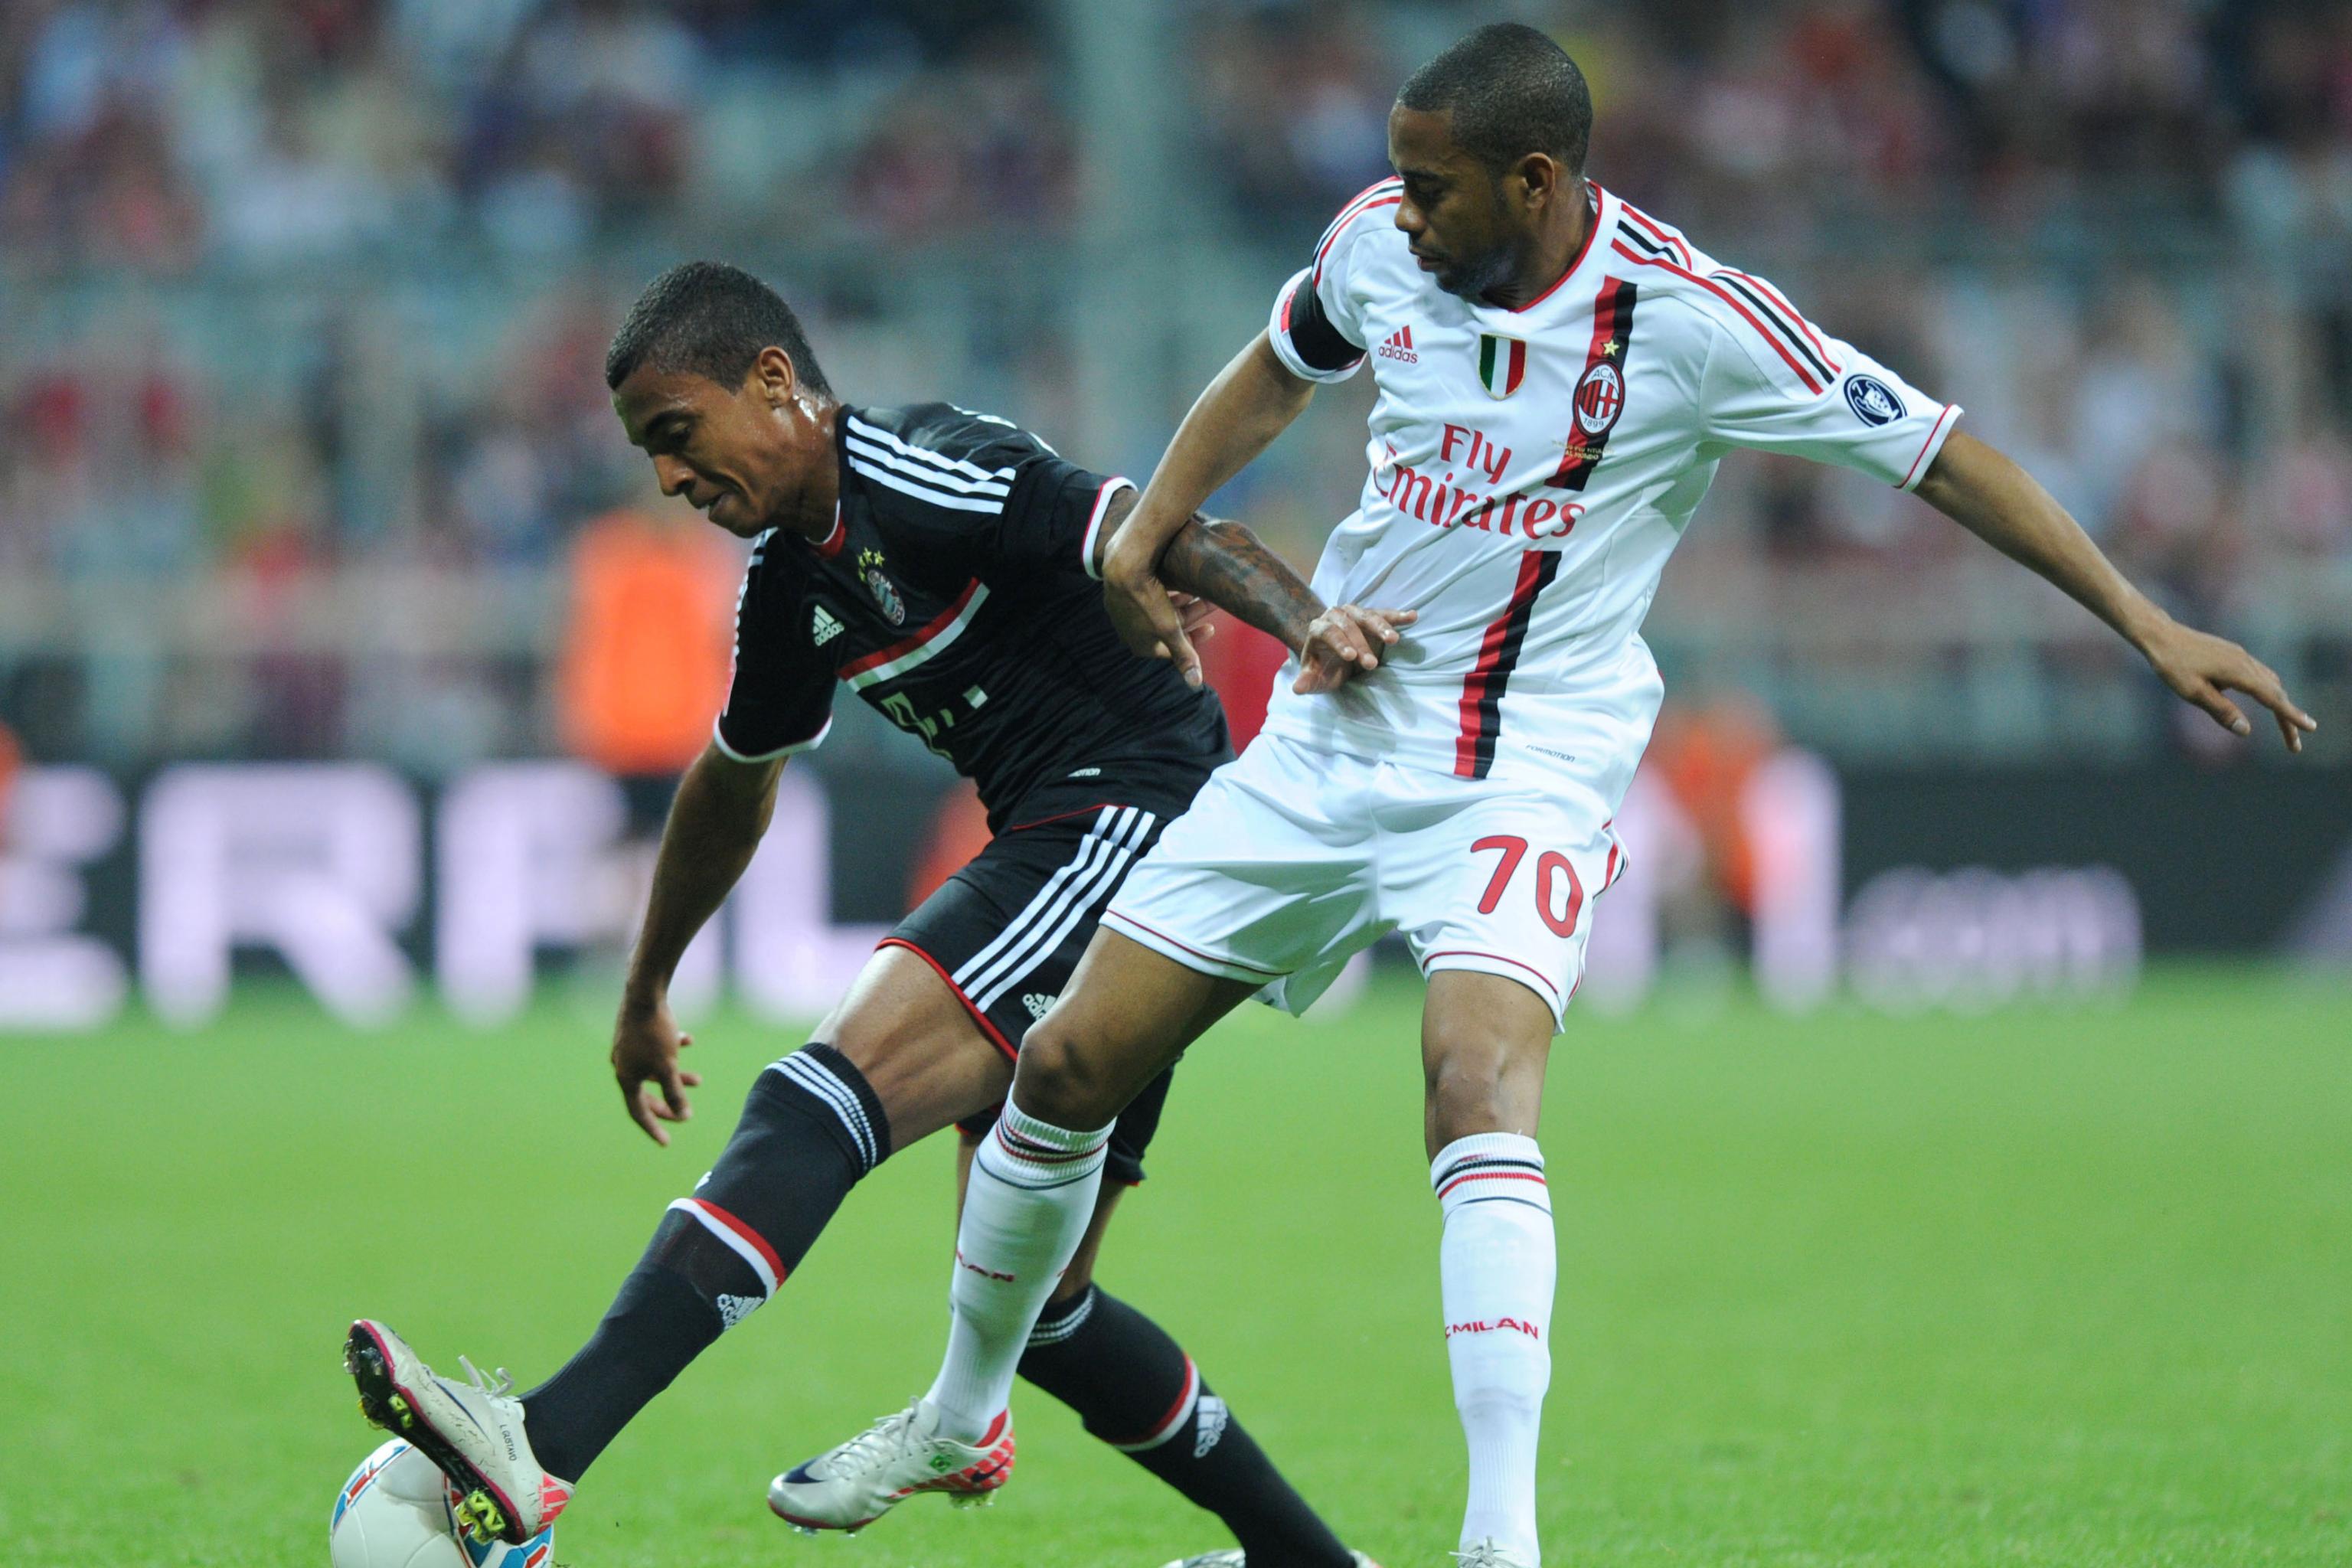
(733,1310)
(1039,1005)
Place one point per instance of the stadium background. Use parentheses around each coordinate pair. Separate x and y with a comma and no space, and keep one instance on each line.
(344,650)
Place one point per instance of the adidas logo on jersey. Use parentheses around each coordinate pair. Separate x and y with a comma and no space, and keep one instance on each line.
(823,627)
(1038,1006)
(1400,347)
(733,1310)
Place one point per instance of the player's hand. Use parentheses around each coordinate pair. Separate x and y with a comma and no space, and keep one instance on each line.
(1198,614)
(1346,641)
(646,1043)
(1140,606)
(2202,667)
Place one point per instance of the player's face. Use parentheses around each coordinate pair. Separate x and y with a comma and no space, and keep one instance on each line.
(738,456)
(1454,214)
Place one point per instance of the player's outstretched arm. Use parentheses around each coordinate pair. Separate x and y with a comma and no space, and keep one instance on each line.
(1253,400)
(1214,561)
(2000,503)
(723,809)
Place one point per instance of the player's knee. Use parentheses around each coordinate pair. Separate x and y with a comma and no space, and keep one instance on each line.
(1479,1080)
(1058,1083)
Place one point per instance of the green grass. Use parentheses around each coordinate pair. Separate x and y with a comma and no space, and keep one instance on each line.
(2038,1288)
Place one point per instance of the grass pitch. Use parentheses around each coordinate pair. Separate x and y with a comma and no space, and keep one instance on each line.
(2040,1288)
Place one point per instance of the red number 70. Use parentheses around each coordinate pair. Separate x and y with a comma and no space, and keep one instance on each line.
(1550,864)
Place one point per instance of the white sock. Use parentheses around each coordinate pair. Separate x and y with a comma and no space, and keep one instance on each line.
(1032,1192)
(1498,1263)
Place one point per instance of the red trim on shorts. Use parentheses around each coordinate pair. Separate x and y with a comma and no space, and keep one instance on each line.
(991,1030)
(1188,947)
(1500,958)
(1060,815)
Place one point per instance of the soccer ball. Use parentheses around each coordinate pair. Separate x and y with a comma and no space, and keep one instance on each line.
(394,1513)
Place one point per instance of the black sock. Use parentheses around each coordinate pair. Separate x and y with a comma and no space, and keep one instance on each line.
(1141,1393)
(811,1128)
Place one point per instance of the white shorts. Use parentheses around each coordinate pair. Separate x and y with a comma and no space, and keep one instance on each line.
(1291,859)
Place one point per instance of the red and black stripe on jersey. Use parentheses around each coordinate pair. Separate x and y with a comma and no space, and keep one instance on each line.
(1758,302)
(1600,395)
(1498,656)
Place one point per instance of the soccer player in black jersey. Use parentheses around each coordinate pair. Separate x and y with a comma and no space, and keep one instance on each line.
(942,564)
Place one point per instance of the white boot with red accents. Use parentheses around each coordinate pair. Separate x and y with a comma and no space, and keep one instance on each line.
(850,1487)
(474,1434)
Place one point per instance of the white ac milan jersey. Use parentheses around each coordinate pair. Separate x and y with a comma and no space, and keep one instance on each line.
(1532,470)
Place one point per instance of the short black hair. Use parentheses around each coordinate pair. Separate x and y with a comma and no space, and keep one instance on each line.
(1511,91)
(711,320)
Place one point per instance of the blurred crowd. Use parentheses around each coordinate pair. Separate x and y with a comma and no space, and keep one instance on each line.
(299,287)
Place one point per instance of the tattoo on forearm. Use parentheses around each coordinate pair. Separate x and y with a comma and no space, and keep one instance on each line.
(1225,563)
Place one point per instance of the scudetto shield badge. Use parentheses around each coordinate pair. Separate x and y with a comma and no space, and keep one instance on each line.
(1502,363)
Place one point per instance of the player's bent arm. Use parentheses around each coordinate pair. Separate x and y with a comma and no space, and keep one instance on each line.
(715,823)
(1982,490)
(1238,415)
(1224,563)
(1250,403)
(723,809)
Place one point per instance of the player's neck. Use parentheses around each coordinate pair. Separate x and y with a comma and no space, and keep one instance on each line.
(811,513)
(1557,248)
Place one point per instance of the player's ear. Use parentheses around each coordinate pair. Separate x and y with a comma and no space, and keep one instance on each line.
(774,375)
(1538,178)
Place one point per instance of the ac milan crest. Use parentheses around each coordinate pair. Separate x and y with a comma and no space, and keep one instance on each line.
(1600,398)
(1502,363)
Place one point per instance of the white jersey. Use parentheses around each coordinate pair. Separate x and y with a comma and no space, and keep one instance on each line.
(1532,470)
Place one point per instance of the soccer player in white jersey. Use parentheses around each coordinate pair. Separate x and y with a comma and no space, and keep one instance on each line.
(1559,375)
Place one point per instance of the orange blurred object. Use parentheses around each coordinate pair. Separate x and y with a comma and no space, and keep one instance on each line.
(10,757)
(959,831)
(1705,754)
(647,648)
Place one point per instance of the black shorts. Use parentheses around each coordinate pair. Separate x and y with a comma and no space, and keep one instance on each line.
(1006,930)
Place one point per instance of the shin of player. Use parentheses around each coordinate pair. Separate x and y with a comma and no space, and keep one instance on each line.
(1485,1043)
(1497,1267)
(1032,1190)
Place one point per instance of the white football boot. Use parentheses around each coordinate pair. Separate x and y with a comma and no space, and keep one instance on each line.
(1234,1557)
(1490,1553)
(850,1487)
(473,1434)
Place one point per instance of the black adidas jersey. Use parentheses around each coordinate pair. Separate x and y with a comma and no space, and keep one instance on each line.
(956,595)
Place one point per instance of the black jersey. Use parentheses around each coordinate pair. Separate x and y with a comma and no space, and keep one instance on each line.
(956,594)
